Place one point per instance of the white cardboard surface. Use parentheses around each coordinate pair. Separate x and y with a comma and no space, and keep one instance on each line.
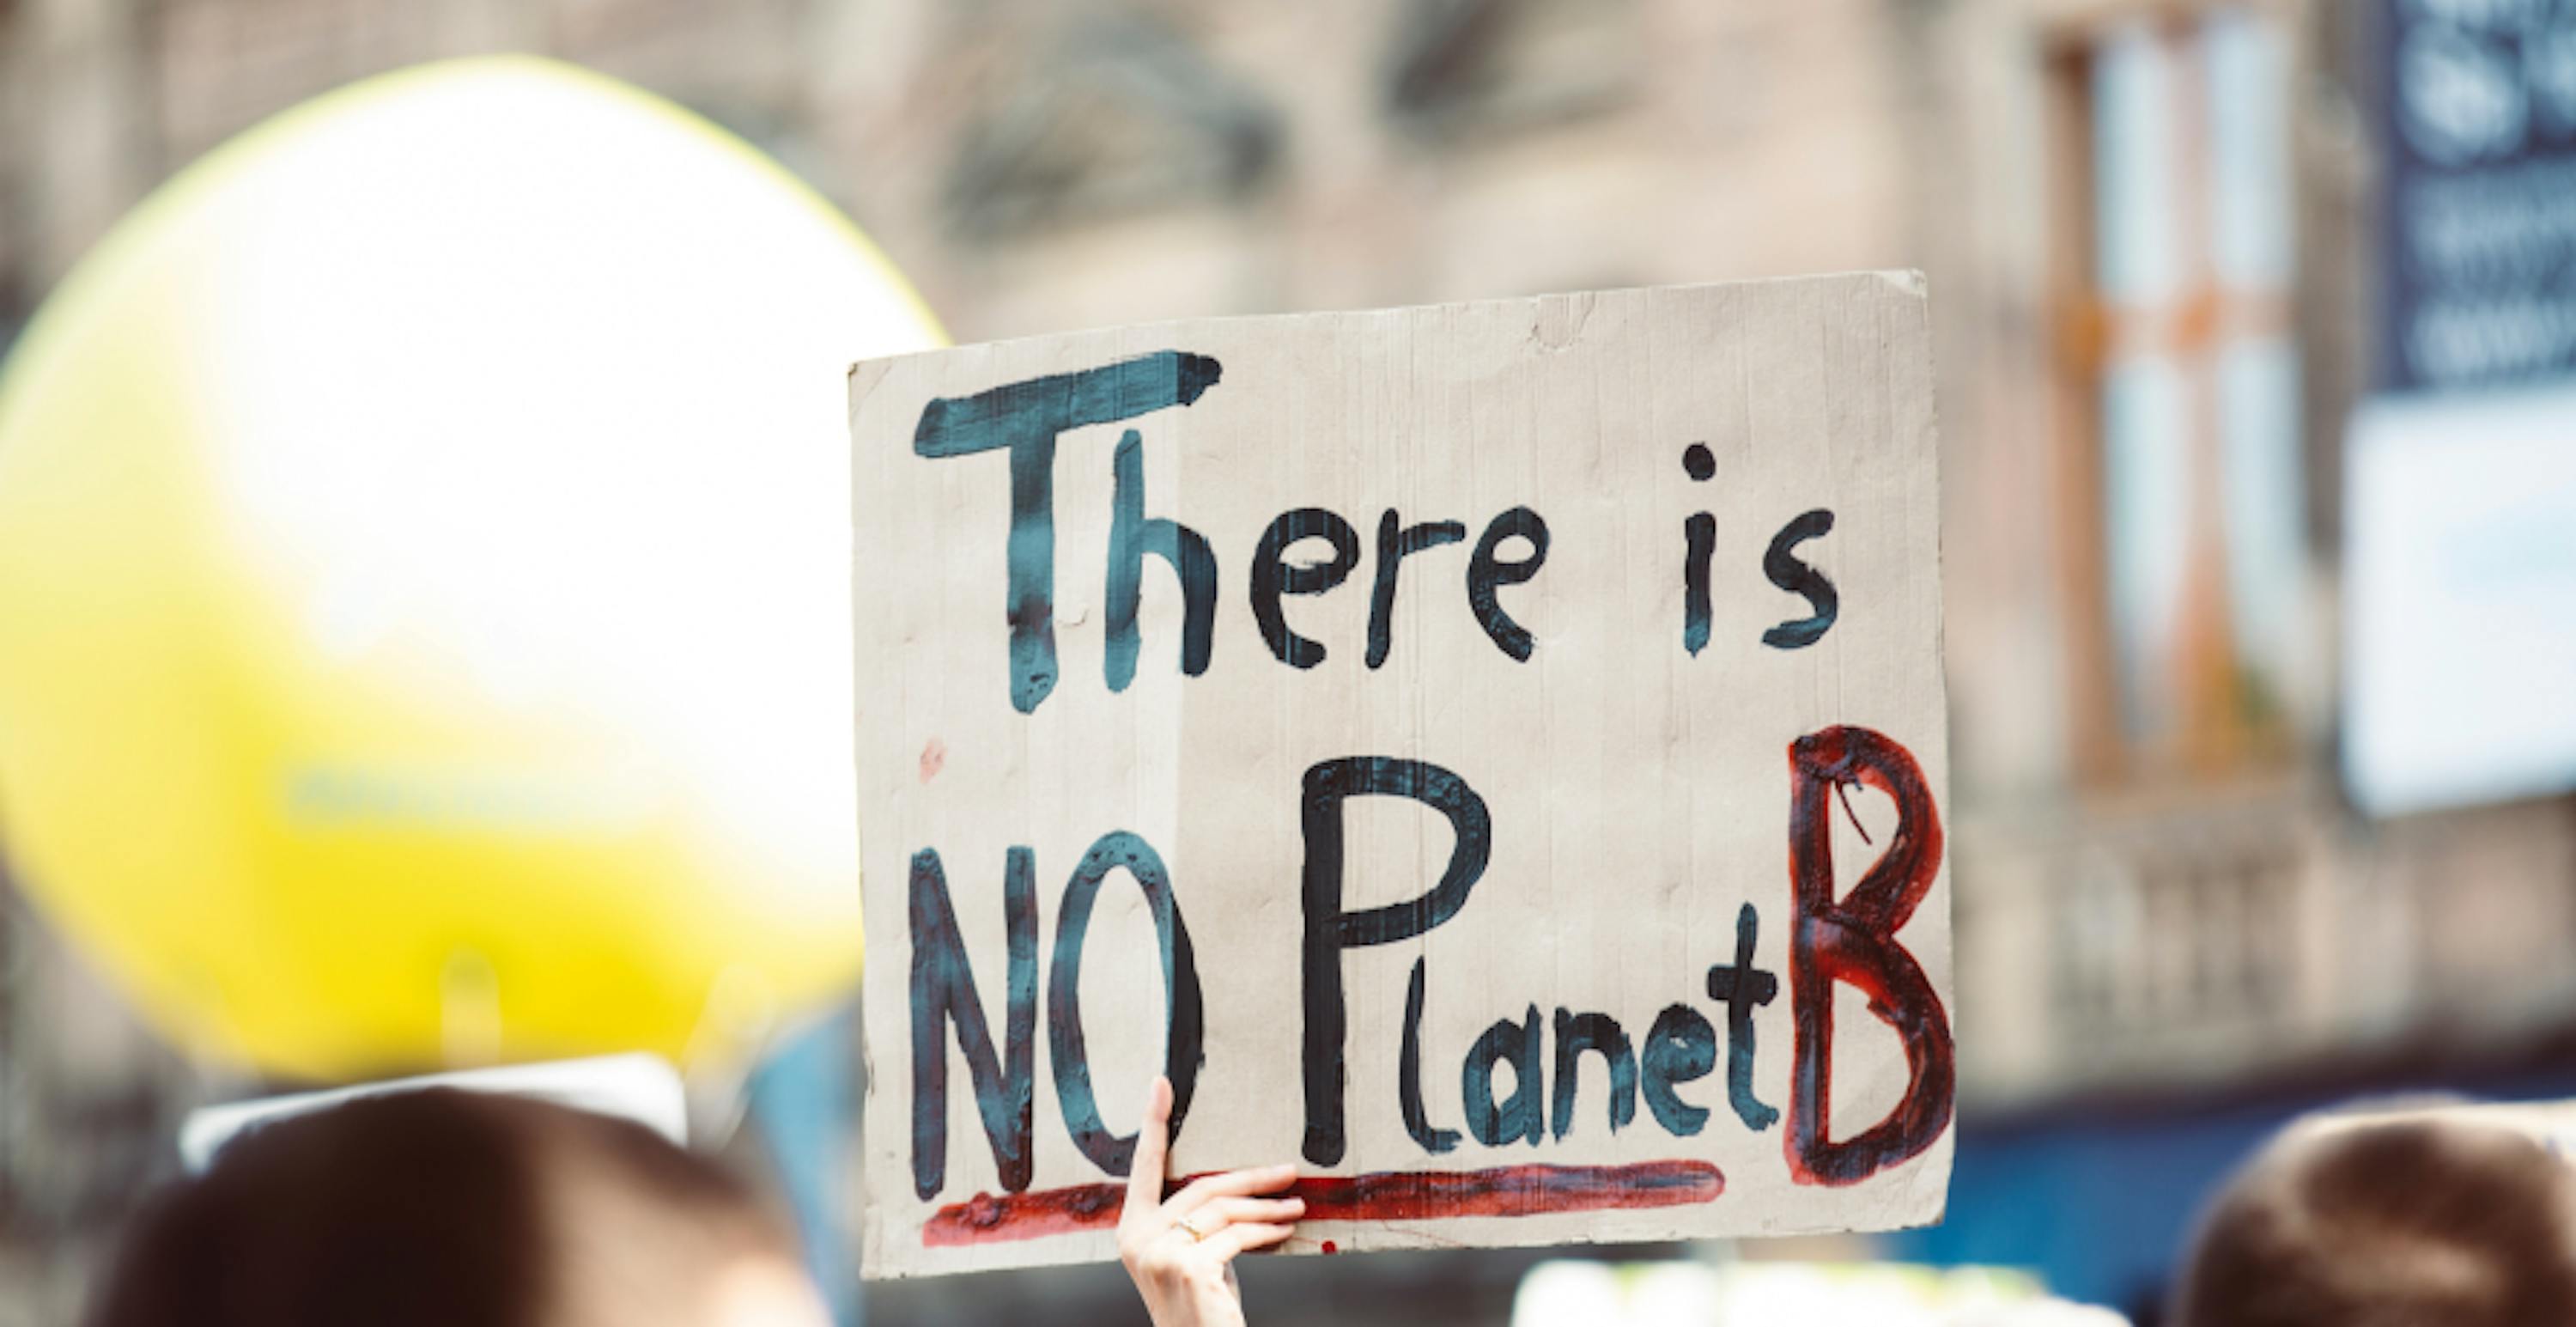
(1638,795)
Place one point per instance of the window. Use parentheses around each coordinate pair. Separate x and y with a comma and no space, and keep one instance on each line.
(2180,386)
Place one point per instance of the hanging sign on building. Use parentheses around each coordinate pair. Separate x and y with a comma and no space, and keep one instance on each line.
(2478,139)
(1492,755)
(2459,599)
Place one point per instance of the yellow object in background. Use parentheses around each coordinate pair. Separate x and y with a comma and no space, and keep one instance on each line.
(424,565)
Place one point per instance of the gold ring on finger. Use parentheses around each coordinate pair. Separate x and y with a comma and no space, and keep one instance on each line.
(1197,1224)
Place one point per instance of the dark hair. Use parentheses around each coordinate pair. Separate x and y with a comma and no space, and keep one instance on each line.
(2409,1224)
(435,1208)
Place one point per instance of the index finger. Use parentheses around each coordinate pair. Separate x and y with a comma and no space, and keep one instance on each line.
(1153,1143)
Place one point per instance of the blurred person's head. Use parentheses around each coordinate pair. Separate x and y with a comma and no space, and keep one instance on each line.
(2412,1223)
(461,1210)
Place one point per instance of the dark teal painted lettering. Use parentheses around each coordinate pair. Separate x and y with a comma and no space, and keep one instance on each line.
(1408,1075)
(1330,929)
(1524,1116)
(1184,1027)
(1577,1033)
(1740,987)
(943,992)
(1680,1047)
(1396,542)
(1486,570)
(1132,536)
(1024,419)
(1780,563)
(1273,575)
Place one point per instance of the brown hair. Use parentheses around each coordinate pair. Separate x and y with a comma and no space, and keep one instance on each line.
(2417,1223)
(434,1208)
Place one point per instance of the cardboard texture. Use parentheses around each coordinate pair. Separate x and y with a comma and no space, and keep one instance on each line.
(1501,744)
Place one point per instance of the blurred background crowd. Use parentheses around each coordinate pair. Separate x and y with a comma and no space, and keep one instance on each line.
(2255,326)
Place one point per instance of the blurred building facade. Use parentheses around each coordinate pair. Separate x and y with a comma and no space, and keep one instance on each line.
(2150,228)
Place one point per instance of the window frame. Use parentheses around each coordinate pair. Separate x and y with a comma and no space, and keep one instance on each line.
(2215,737)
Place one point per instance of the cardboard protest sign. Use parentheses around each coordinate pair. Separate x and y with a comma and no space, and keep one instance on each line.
(1492,755)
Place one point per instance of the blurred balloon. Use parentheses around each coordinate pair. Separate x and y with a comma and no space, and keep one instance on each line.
(424,583)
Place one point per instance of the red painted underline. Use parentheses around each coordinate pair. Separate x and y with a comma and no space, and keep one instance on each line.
(1385,1196)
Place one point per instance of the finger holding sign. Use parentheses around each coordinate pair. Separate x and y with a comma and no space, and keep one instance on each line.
(1180,1251)
(1209,1190)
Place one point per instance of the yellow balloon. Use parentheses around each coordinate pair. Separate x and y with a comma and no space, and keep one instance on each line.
(424,583)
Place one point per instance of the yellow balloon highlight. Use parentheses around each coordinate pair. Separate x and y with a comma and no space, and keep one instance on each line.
(424,584)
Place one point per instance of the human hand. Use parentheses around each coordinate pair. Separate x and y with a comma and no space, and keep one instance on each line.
(1181,1251)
